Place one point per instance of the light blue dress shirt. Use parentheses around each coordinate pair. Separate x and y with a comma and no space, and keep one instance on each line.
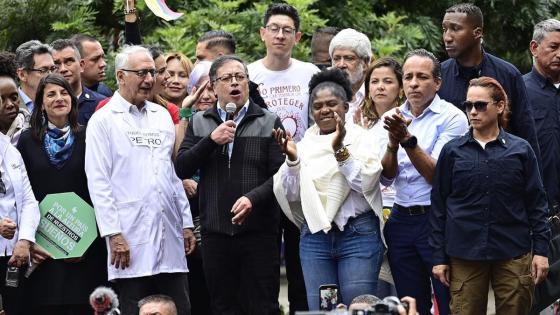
(26,100)
(237,119)
(440,122)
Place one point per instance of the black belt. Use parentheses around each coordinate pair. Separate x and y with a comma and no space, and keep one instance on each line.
(412,210)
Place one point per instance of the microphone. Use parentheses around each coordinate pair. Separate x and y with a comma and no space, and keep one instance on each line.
(104,301)
(230,111)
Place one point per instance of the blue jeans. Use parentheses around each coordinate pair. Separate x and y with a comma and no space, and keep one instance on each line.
(350,258)
(411,261)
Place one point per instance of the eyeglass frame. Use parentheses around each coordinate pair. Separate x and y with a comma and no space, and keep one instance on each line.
(477,105)
(44,70)
(228,78)
(142,73)
(286,30)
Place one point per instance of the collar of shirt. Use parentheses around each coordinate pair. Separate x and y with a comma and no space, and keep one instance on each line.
(469,71)
(435,107)
(26,99)
(469,138)
(541,80)
(240,114)
(359,96)
(122,105)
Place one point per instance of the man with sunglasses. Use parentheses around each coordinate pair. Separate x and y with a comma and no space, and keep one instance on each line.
(34,60)
(463,26)
(283,84)
(141,207)
(237,157)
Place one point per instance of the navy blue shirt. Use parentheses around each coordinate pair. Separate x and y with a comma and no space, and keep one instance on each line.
(87,102)
(102,89)
(455,83)
(488,204)
(544,99)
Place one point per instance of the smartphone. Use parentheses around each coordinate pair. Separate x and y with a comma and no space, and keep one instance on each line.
(328,297)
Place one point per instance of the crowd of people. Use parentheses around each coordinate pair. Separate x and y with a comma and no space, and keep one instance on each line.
(426,180)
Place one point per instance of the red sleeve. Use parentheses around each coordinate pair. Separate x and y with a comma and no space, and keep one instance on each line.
(102,103)
(174,112)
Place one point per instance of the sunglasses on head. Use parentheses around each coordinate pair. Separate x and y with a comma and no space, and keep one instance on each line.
(480,106)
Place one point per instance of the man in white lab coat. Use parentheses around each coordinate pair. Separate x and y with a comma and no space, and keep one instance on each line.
(140,205)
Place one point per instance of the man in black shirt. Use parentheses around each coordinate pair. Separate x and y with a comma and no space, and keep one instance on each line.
(543,84)
(463,26)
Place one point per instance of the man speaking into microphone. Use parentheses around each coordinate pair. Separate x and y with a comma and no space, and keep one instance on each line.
(239,214)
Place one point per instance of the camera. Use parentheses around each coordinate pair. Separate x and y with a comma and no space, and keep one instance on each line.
(387,306)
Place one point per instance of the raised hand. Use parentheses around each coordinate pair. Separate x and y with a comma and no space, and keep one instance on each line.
(339,133)
(286,143)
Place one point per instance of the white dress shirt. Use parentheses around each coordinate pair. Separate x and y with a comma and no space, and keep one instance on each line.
(134,188)
(440,122)
(18,203)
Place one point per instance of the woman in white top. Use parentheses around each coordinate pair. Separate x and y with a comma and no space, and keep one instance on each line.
(329,187)
(19,218)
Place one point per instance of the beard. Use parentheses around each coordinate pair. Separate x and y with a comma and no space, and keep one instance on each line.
(357,75)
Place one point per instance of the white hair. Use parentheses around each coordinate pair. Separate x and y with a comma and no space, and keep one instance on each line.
(543,28)
(200,69)
(121,60)
(351,39)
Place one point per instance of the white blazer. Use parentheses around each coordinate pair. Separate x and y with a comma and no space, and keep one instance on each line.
(134,188)
(27,208)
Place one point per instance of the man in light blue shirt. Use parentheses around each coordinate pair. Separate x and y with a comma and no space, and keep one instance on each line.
(34,60)
(421,126)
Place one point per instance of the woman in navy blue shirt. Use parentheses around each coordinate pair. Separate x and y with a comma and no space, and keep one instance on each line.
(489,211)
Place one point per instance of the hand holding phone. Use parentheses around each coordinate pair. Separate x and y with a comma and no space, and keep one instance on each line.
(328,297)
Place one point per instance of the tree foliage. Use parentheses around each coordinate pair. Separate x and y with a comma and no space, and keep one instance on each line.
(394,26)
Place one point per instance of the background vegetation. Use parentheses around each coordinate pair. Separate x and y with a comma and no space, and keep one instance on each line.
(394,26)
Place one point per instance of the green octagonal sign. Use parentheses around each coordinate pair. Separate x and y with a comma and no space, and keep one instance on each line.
(67,227)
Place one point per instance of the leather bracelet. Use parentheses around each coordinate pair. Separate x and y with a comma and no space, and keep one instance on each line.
(392,150)
(185,113)
(129,11)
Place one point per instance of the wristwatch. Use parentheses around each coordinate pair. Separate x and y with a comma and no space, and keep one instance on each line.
(410,143)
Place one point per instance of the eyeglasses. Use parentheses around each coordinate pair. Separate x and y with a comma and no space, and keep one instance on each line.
(480,106)
(142,73)
(275,29)
(45,70)
(2,186)
(228,78)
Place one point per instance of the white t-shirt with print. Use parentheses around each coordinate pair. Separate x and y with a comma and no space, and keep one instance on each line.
(286,93)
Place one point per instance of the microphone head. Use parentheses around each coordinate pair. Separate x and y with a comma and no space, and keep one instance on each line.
(231,108)
(103,299)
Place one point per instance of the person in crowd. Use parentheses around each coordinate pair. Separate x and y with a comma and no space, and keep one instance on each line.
(489,211)
(53,150)
(320,42)
(93,63)
(160,82)
(463,30)
(157,304)
(350,51)
(239,219)
(329,186)
(34,60)
(213,44)
(418,130)
(383,87)
(67,61)
(179,68)
(543,90)
(282,82)
(13,117)
(200,98)
(148,228)
(19,219)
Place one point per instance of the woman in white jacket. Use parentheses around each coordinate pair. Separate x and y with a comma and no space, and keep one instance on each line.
(19,218)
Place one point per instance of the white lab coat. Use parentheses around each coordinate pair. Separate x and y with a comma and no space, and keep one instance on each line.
(134,188)
(26,207)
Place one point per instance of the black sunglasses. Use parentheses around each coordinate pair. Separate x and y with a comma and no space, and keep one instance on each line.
(2,186)
(480,106)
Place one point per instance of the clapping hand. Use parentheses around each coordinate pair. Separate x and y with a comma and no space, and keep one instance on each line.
(286,143)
